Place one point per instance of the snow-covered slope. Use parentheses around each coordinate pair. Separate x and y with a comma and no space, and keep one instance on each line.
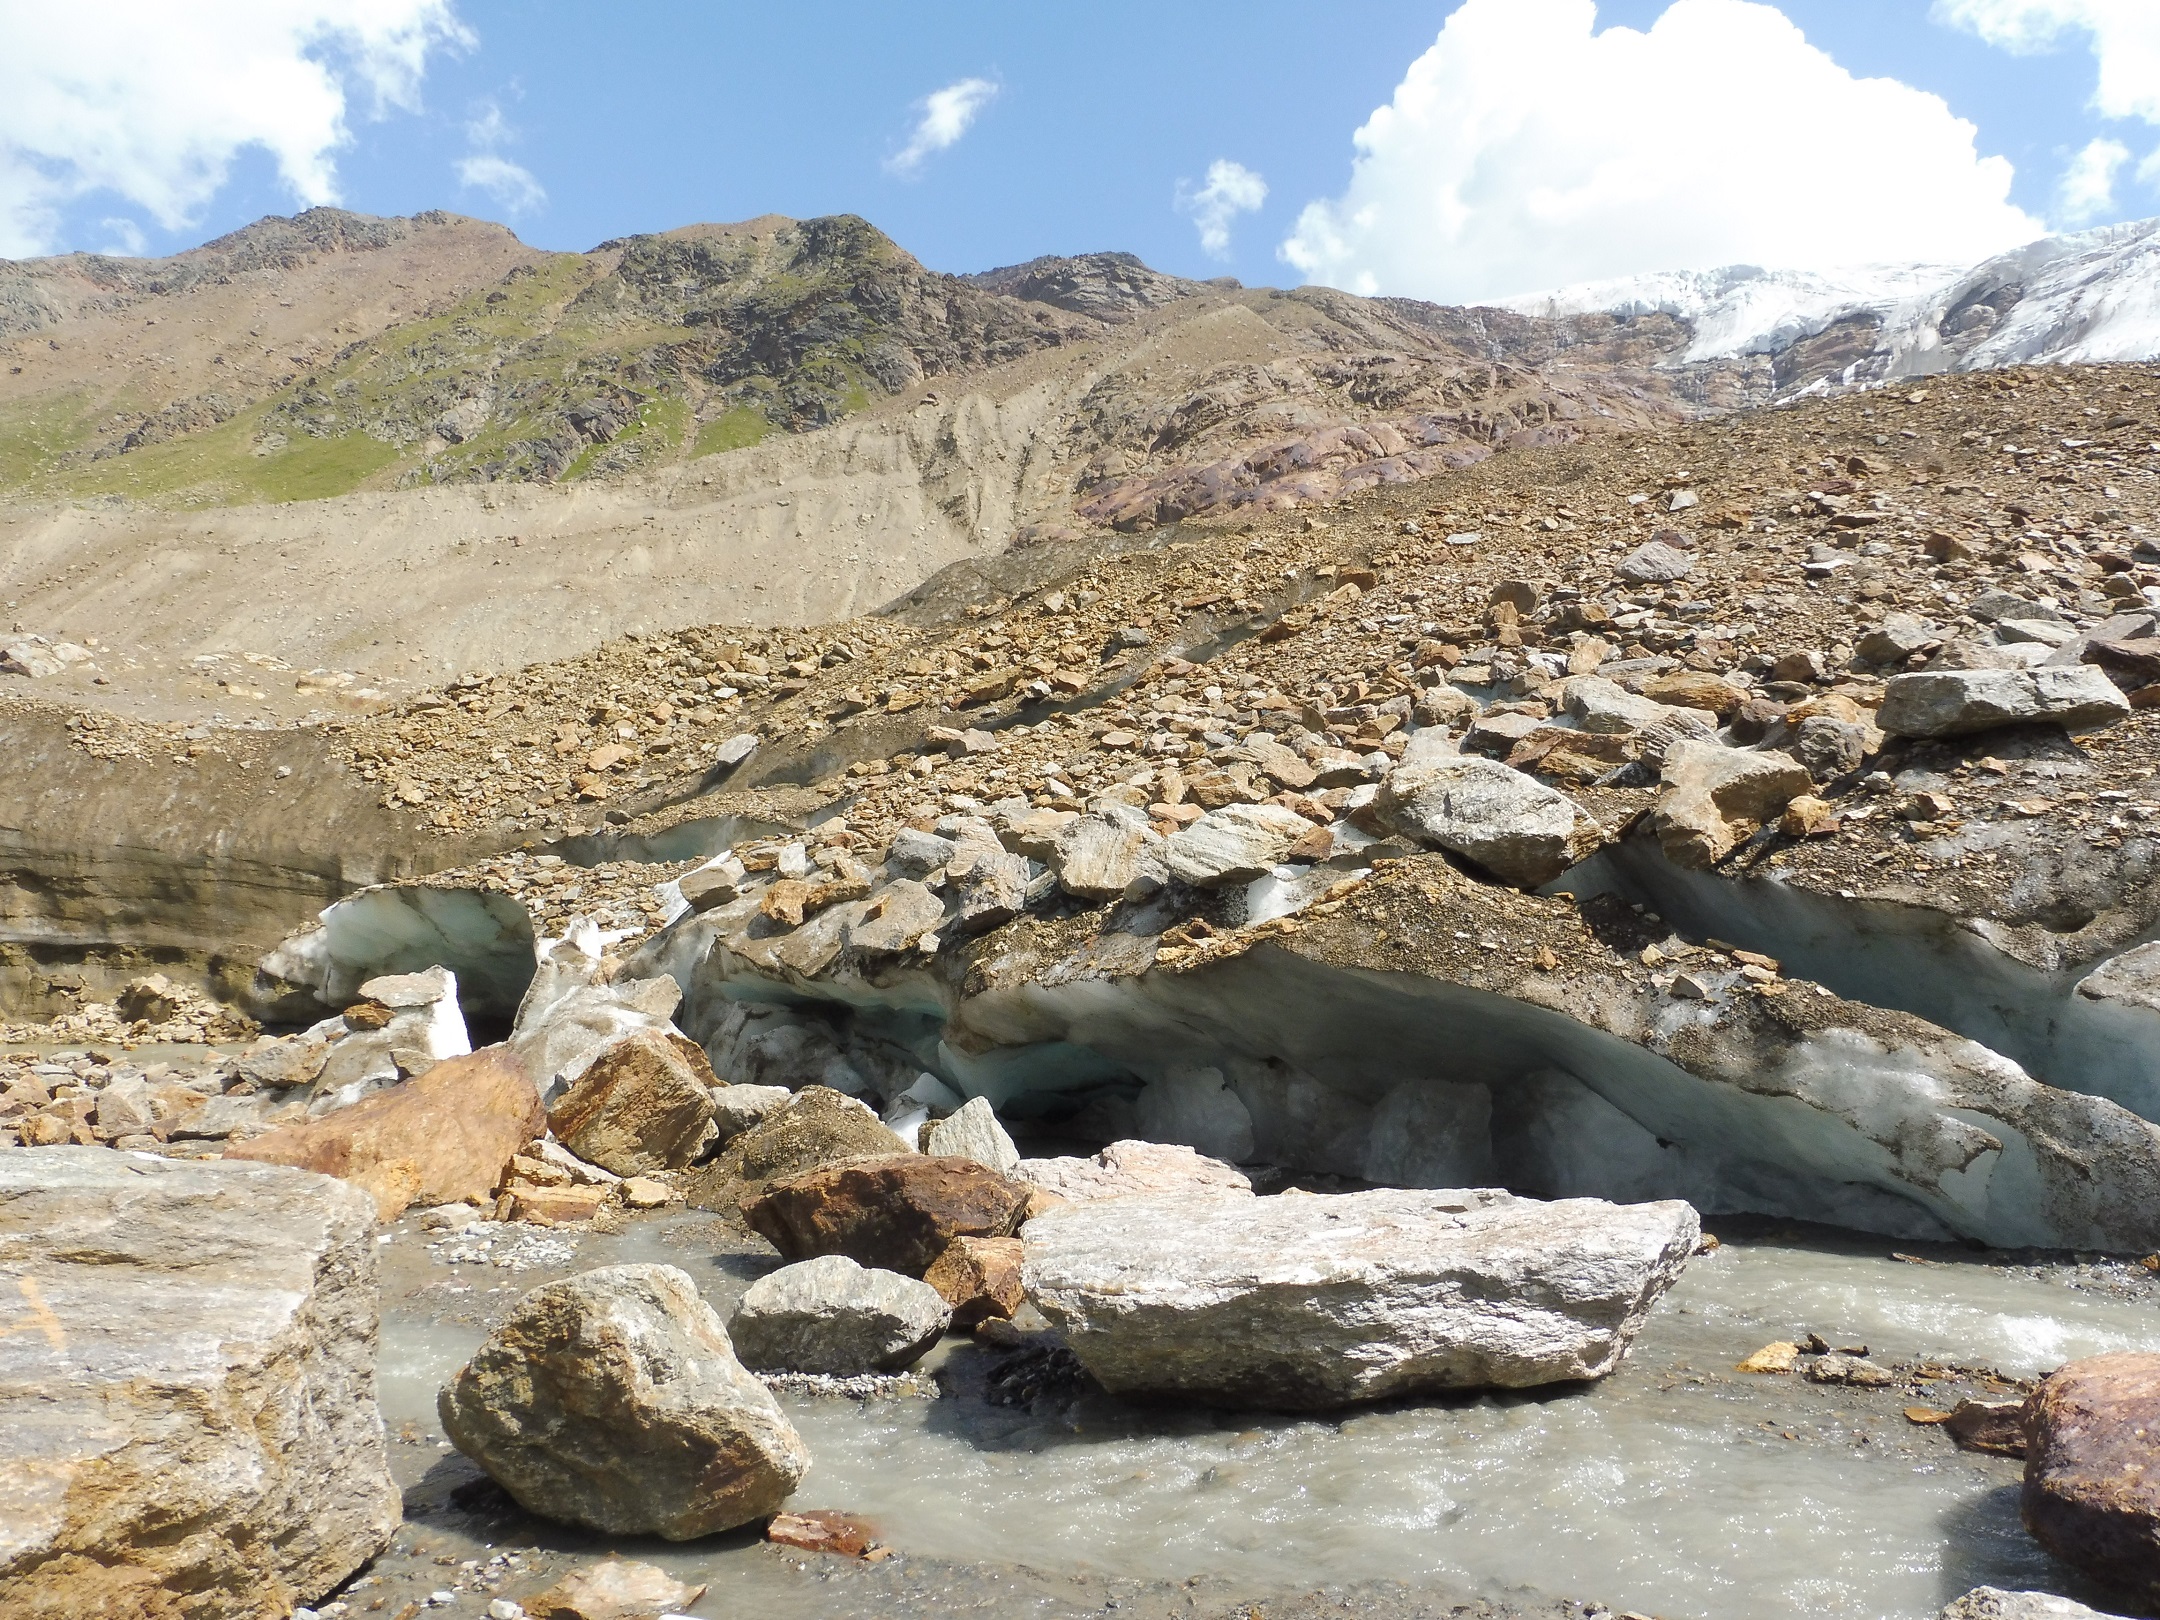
(2089,297)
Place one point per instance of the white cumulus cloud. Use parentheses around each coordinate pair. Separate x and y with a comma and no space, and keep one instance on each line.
(2088,185)
(1527,149)
(2124,34)
(946,116)
(1231,190)
(152,100)
(513,186)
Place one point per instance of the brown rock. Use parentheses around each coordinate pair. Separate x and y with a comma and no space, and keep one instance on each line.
(645,1103)
(444,1138)
(1997,1426)
(823,1530)
(978,1277)
(1809,817)
(614,1590)
(897,1213)
(1691,689)
(2092,1487)
(557,1206)
(817,1126)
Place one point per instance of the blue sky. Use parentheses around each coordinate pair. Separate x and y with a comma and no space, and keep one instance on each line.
(643,115)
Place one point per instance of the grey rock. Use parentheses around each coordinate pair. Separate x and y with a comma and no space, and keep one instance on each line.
(897,917)
(1714,796)
(1098,856)
(989,882)
(737,1108)
(1897,638)
(718,882)
(973,1132)
(915,853)
(1608,707)
(614,1400)
(2050,633)
(1509,823)
(2131,979)
(1495,735)
(1655,564)
(1952,703)
(1232,845)
(736,749)
(1989,606)
(187,1387)
(569,1016)
(1307,1302)
(1993,1603)
(1129,1169)
(1829,747)
(830,1315)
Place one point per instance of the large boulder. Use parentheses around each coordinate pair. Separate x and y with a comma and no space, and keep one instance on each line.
(1235,844)
(1714,797)
(402,1026)
(1301,1303)
(187,1388)
(1954,702)
(830,1315)
(1498,818)
(644,1103)
(444,1138)
(1126,1169)
(614,1400)
(1098,856)
(2092,1494)
(898,1213)
(817,1126)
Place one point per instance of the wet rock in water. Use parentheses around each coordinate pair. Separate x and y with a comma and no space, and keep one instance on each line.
(823,1530)
(614,1400)
(1235,844)
(1855,1370)
(1953,703)
(1996,1426)
(1126,1169)
(815,1126)
(1714,797)
(1993,1603)
(644,1103)
(1507,822)
(614,1589)
(445,1138)
(973,1132)
(737,1109)
(897,1213)
(979,1278)
(187,1388)
(2092,1495)
(1300,1303)
(830,1315)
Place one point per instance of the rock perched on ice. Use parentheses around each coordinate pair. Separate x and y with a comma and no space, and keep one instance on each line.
(1098,856)
(973,1133)
(1125,1169)
(614,1400)
(187,1387)
(896,918)
(645,1103)
(830,1315)
(569,1015)
(1235,844)
(1714,797)
(1993,1603)
(814,1127)
(1507,822)
(1954,702)
(402,1025)
(989,882)
(2092,1496)
(444,1138)
(898,1213)
(1301,1303)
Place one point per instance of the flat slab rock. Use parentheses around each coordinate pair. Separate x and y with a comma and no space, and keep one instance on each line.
(188,1424)
(1306,1302)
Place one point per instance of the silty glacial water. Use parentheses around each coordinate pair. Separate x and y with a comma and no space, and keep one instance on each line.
(1678,1487)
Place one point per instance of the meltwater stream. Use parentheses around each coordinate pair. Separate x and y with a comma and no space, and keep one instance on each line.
(1678,1487)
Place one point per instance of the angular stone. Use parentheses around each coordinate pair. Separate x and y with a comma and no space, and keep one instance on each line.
(973,1132)
(1956,702)
(1996,1426)
(1599,705)
(1897,638)
(1715,796)
(614,1400)
(445,1138)
(1235,844)
(1098,856)
(645,1103)
(817,1126)
(990,883)
(1313,1302)
(897,1213)
(1655,564)
(979,1278)
(2092,1495)
(1512,825)
(830,1315)
(1993,1603)
(614,1589)
(897,917)
(569,1015)
(1126,1169)
(916,853)
(1690,689)
(737,1109)
(187,1388)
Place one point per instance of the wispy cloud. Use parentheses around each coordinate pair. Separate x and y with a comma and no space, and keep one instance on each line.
(947,115)
(2088,185)
(513,186)
(1231,190)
